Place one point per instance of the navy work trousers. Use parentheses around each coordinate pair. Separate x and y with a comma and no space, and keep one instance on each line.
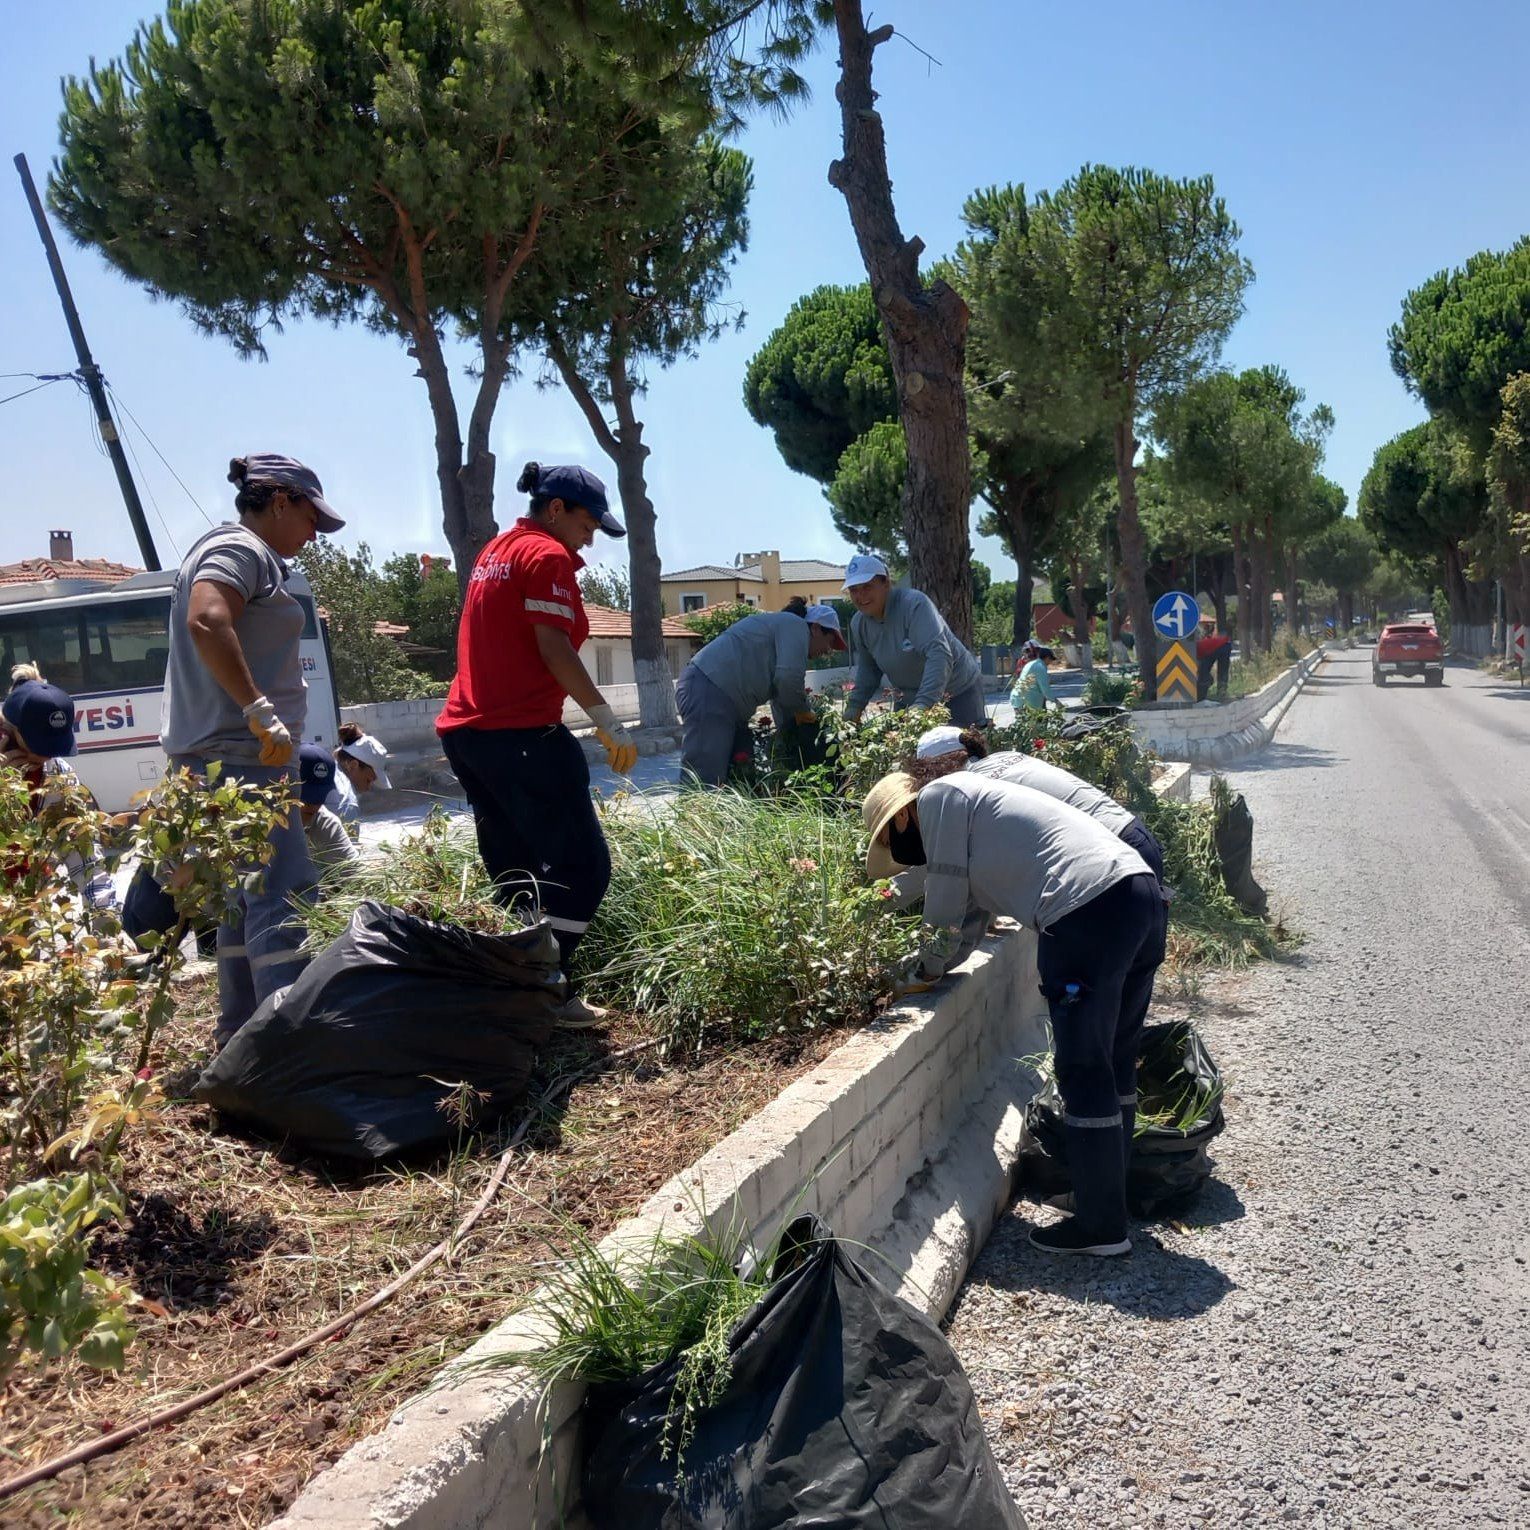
(538,832)
(1110,950)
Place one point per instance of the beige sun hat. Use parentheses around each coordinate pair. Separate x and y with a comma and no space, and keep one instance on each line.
(881,806)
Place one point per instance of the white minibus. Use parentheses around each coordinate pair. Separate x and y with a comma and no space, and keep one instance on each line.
(107,645)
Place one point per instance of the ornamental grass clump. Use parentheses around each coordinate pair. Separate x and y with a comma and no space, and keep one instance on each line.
(732,917)
(614,1320)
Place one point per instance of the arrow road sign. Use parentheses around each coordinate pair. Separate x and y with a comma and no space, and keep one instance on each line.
(1176,614)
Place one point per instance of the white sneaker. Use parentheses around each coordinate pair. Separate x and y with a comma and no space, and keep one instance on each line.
(573,1014)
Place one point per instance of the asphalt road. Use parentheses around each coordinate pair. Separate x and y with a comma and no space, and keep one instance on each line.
(1340,1332)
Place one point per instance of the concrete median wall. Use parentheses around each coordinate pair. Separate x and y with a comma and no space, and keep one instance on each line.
(1213,733)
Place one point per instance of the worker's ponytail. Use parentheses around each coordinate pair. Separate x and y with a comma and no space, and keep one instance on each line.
(21,673)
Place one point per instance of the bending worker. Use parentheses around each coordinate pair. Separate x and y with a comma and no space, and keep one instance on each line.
(899,637)
(990,847)
(943,750)
(524,773)
(362,763)
(1033,686)
(234,692)
(763,658)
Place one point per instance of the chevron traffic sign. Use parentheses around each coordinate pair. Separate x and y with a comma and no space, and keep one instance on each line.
(1176,673)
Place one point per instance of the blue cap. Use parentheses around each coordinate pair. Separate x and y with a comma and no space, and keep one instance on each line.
(44,717)
(316,766)
(579,486)
(290,474)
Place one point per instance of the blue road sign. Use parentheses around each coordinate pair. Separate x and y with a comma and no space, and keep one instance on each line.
(1176,614)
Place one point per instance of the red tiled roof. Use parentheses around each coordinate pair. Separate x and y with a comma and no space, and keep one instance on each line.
(608,623)
(31,569)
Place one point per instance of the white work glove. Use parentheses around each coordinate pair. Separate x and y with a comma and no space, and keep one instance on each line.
(621,751)
(275,740)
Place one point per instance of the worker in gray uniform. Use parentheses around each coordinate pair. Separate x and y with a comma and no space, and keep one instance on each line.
(899,637)
(967,749)
(761,659)
(991,847)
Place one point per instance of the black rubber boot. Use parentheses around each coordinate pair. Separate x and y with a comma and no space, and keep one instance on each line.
(1098,1226)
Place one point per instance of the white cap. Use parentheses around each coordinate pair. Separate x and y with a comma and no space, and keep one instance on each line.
(827,618)
(370,752)
(864,567)
(937,741)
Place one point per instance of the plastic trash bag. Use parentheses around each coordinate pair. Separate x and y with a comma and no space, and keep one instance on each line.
(357,1057)
(845,1407)
(1168,1165)
(1234,837)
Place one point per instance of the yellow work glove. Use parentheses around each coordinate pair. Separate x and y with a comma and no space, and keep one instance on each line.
(621,750)
(275,740)
(804,719)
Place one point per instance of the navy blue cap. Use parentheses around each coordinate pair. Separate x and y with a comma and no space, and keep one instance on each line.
(316,766)
(290,474)
(44,717)
(579,486)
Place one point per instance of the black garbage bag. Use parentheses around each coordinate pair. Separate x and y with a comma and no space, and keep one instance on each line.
(1168,1165)
(1089,720)
(357,1056)
(845,1407)
(1234,838)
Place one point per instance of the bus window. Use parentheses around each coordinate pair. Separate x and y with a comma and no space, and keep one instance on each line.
(127,644)
(310,617)
(48,639)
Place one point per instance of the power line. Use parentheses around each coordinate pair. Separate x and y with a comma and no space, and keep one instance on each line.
(153,498)
(47,382)
(117,399)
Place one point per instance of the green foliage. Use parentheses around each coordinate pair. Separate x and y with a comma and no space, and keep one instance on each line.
(355,597)
(616,1320)
(866,493)
(731,917)
(717,619)
(822,379)
(1103,689)
(860,754)
(1423,492)
(1344,555)
(51,1303)
(1462,335)
(601,586)
(74,1015)
(430,605)
(1508,467)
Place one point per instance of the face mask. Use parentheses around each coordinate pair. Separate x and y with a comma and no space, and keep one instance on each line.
(906,845)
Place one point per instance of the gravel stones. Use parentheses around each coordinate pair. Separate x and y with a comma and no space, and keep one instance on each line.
(1339,1334)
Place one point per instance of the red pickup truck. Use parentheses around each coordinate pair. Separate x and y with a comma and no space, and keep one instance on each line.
(1408,648)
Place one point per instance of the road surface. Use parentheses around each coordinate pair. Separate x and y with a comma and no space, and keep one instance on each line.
(1340,1335)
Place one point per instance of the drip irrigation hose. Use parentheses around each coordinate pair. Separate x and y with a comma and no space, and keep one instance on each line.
(109,1443)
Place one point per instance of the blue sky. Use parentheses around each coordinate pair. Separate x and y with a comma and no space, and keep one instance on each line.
(1361,149)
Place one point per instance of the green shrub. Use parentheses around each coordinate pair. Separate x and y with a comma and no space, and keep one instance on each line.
(731,917)
(706,625)
(1103,689)
(51,1304)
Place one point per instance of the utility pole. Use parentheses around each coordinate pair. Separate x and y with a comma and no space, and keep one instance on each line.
(90,373)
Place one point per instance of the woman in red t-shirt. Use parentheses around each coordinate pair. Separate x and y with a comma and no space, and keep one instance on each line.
(502,726)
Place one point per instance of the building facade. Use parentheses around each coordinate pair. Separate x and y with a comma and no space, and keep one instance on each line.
(762,579)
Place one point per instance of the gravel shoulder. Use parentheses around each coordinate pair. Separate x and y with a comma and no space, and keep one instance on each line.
(1340,1332)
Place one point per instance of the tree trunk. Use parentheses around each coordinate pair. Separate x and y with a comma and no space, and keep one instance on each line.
(926,333)
(1080,607)
(1216,585)
(1241,591)
(1291,593)
(1266,573)
(625,447)
(1134,557)
(1020,535)
(459,518)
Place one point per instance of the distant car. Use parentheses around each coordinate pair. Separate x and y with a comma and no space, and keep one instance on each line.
(1408,648)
